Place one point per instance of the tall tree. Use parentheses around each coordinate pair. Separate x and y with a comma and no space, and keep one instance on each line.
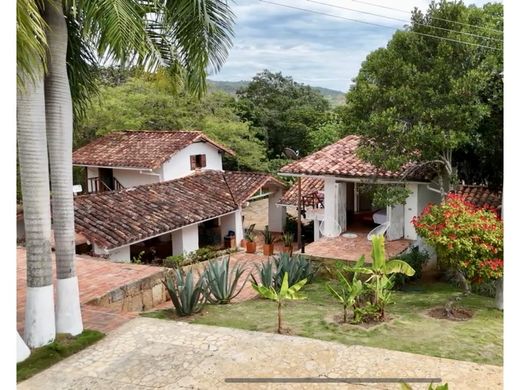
(425,99)
(282,110)
(186,36)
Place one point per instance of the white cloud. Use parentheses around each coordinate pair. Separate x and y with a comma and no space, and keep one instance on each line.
(315,49)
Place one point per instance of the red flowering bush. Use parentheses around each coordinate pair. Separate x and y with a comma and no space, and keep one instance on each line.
(466,237)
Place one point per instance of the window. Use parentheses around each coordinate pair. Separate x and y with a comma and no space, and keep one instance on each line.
(197,161)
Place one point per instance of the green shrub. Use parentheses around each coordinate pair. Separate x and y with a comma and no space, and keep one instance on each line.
(416,259)
(221,281)
(188,297)
(175,261)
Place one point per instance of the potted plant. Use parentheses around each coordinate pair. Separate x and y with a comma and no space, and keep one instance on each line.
(248,231)
(268,242)
(250,242)
(287,239)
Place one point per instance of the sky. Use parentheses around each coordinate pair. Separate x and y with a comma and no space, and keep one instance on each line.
(314,49)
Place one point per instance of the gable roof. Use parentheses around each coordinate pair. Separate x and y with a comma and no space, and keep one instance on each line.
(138,149)
(480,195)
(340,159)
(118,218)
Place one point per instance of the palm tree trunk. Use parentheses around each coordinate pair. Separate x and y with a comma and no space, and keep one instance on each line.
(34,176)
(280,317)
(58,110)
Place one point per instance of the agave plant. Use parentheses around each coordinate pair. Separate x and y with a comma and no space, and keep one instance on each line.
(187,296)
(297,267)
(221,281)
(268,236)
(280,295)
(266,272)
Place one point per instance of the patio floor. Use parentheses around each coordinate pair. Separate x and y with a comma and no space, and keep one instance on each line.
(351,249)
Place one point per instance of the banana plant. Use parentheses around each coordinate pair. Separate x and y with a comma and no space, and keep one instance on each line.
(380,270)
(285,293)
(349,291)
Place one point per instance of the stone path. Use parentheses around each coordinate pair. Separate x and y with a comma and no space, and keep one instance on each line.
(148,353)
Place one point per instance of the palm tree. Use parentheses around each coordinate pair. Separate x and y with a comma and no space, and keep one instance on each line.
(185,36)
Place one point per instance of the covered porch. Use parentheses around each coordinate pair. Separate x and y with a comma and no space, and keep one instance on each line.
(351,246)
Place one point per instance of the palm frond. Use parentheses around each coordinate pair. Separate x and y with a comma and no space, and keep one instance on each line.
(82,68)
(31,42)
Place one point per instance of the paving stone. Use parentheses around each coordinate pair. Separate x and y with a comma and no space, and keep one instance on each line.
(152,353)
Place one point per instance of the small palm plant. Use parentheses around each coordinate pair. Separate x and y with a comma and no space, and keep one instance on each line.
(348,292)
(222,281)
(187,296)
(285,293)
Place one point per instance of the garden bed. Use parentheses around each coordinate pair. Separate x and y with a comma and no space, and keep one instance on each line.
(480,339)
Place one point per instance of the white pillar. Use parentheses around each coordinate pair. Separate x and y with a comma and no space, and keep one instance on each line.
(329,213)
(316,228)
(276,214)
(190,238)
(395,215)
(341,204)
(227,223)
(239,228)
(410,211)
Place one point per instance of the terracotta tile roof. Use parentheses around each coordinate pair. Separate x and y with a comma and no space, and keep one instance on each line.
(310,185)
(340,159)
(480,195)
(117,218)
(244,185)
(138,149)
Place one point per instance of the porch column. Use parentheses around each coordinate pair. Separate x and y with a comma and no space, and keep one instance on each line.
(185,240)
(411,209)
(329,201)
(316,228)
(232,222)
(276,214)
(341,204)
(395,215)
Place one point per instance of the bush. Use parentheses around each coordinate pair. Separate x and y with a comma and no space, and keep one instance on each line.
(416,259)
(175,261)
(467,238)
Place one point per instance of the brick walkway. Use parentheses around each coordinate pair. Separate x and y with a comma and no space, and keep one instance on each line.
(96,278)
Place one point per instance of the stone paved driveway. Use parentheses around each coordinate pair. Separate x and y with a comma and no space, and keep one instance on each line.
(148,353)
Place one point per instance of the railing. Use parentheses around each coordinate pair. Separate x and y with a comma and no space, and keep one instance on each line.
(95,185)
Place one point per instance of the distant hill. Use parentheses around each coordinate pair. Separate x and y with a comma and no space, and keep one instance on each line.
(334,97)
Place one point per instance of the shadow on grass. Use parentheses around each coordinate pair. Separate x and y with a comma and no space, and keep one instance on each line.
(65,345)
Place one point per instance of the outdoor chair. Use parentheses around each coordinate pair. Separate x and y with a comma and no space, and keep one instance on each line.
(379,230)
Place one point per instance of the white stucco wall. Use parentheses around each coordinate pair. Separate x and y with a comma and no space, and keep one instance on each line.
(179,164)
(130,178)
(276,214)
(120,255)
(232,222)
(185,240)
(329,201)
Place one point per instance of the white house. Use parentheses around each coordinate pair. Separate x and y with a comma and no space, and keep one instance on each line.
(330,182)
(164,190)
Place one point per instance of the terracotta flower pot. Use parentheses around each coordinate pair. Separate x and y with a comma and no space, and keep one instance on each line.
(250,247)
(243,243)
(268,249)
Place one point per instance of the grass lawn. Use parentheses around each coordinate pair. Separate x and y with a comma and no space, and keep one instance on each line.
(411,330)
(64,346)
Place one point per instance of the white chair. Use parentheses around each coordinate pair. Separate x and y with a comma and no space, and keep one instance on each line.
(379,230)
(336,231)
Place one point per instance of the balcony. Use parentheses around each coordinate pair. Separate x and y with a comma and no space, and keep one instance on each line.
(96,185)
